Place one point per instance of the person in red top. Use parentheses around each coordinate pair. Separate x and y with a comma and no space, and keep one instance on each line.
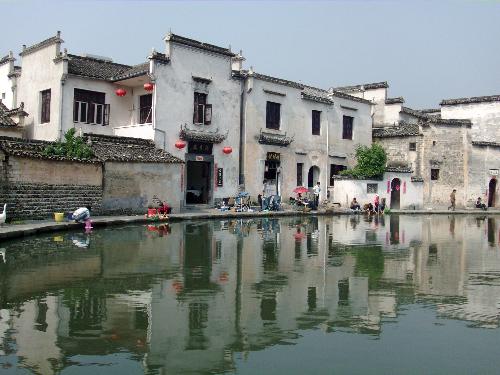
(164,208)
(376,203)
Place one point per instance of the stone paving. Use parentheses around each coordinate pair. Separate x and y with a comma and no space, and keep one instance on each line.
(9,231)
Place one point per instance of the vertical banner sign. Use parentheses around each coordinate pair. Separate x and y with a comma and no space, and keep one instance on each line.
(220,176)
(404,187)
(388,186)
(182,178)
(215,177)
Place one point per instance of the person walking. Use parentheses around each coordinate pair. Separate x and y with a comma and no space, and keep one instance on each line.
(376,204)
(316,191)
(453,199)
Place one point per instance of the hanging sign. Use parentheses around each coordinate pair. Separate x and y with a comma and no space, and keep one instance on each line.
(493,172)
(200,148)
(404,187)
(220,176)
(388,186)
(273,156)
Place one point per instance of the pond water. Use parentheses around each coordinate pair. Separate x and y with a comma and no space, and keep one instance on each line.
(389,295)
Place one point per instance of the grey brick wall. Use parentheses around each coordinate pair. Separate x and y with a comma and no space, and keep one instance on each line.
(39,201)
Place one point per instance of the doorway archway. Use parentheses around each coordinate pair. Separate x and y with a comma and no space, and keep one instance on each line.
(492,188)
(312,176)
(395,193)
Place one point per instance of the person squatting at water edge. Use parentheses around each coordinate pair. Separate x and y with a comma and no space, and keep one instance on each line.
(81,214)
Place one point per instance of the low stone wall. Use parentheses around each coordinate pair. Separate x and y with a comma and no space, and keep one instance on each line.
(38,201)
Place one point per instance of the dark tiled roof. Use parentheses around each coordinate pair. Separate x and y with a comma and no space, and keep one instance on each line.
(201,136)
(6,59)
(316,95)
(430,110)
(417,179)
(274,139)
(403,129)
(106,148)
(363,87)
(471,100)
(415,113)
(95,68)
(135,71)
(279,81)
(159,57)
(42,44)
(399,99)
(194,43)
(33,149)
(125,149)
(343,95)
(5,119)
(452,122)
(485,144)
(398,169)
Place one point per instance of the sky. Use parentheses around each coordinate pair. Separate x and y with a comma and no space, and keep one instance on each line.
(426,50)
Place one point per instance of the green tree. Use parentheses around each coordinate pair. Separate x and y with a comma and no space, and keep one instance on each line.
(370,162)
(72,147)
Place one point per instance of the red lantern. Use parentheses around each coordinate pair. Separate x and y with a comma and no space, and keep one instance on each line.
(121,92)
(180,144)
(148,86)
(227,150)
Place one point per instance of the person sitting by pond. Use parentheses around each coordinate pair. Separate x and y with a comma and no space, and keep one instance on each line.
(480,204)
(81,214)
(355,205)
(368,208)
(382,206)
(163,210)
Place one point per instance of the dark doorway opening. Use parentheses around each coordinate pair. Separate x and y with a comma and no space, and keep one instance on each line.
(492,188)
(198,182)
(395,193)
(312,176)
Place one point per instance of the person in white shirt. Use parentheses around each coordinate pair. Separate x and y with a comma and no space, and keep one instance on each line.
(316,191)
(81,214)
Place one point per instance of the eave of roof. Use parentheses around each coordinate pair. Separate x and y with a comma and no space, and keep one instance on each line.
(42,44)
(95,68)
(471,100)
(398,100)
(485,144)
(200,45)
(363,87)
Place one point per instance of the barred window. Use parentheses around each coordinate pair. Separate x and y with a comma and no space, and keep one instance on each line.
(434,174)
(413,146)
(371,188)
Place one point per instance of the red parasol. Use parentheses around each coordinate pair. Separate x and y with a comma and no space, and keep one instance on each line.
(300,190)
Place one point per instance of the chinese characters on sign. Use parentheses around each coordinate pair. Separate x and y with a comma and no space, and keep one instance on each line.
(220,175)
(200,148)
(273,156)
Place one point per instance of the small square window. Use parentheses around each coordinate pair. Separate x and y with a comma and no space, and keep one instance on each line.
(433,143)
(413,146)
(434,174)
(3,95)
(371,188)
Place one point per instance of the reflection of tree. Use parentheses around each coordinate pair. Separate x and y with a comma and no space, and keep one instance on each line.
(370,263)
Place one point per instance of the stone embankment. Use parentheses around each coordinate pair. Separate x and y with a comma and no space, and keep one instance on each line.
(10,231)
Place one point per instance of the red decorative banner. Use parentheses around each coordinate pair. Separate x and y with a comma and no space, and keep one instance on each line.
(404,187)
(388,186)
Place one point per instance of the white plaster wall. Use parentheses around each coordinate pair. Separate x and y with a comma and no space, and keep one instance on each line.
(6,85)
(296,121)
(145,131)
(175,89)
(121,108)
(39,72)
(391,113)
(485,118)
(483,160)
(346,190)
(15,132)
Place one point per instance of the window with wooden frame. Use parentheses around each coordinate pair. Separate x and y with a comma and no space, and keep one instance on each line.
(145,109)
(347,124)
(300,167)
(316,122)
(202,114)
(45,106)
(89,107)
(334,171)
(413,146)
(434,174)
(273,115)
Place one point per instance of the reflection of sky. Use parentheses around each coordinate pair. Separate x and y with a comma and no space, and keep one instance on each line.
(246,286)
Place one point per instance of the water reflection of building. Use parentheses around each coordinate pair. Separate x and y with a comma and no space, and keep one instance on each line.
(208,290)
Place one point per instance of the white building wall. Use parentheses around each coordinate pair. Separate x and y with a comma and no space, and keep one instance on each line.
(40,72)
(411,196)
(175,89)
(6,85)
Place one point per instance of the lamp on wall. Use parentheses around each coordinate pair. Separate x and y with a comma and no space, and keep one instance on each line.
(148,86)
(120,92)
(180,144)
(227,150)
